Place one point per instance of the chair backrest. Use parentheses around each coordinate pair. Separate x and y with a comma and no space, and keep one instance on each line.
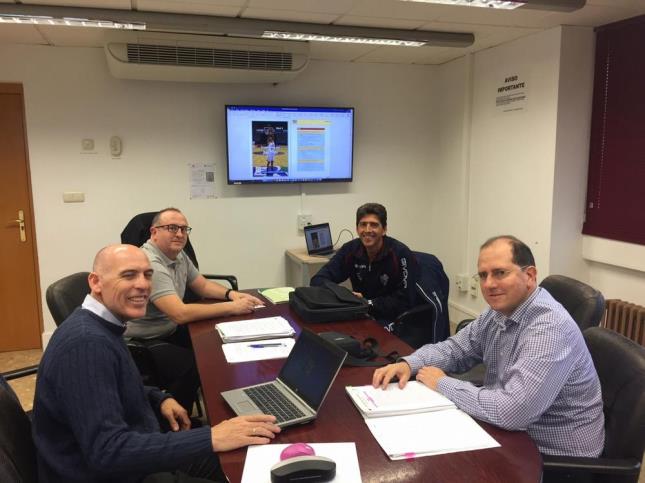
(585,304)
(17,451)
(137,232)
(433,287)
(620,364)
(64,295)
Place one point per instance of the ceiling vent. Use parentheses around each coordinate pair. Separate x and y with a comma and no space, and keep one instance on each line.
(226,61)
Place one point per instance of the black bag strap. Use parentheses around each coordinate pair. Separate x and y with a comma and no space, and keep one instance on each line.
(370,352)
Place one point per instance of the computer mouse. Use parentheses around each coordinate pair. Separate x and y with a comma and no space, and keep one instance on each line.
(303,468)
(297,449)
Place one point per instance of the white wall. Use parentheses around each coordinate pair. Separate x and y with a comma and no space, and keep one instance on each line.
(575,90)
(524,173)
(70,95)
(507,158)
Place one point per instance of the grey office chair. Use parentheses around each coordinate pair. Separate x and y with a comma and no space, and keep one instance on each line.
(620,364)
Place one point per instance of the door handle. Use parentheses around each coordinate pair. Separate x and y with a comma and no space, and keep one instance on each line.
(21,225)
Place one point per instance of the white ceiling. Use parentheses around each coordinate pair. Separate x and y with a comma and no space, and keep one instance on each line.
(490,27)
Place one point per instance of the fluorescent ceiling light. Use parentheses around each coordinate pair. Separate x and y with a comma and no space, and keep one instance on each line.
(69,22)
(230,26)
(343,39)
(502,4)
(552,5)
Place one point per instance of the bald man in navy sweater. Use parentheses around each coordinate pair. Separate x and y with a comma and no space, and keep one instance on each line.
(94,421)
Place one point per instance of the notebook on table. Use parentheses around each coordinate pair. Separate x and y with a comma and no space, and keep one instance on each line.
(297,394)
(318,240)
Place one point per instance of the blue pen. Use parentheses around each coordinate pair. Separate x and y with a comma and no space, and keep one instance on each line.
(261,346)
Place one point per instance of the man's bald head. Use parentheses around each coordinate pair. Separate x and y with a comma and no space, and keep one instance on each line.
(120,280)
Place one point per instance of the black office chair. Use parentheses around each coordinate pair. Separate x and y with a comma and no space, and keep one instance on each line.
(620,364)
(427,322)
(585,304)
(64,295)
(137,232)
(17,450)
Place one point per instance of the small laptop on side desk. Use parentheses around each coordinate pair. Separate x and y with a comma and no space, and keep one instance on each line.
(301,387)
(318,240)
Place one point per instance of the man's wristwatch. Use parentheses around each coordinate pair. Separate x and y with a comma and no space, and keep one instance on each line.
(227,295)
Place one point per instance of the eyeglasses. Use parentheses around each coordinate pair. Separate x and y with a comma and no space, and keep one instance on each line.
(175,228)
(497,274)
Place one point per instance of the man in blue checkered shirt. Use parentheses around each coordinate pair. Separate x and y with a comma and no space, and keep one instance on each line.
(540,377)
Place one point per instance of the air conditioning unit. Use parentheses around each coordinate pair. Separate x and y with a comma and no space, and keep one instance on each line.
(192,59)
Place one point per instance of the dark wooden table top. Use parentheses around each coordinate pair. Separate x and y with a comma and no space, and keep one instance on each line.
(517,460)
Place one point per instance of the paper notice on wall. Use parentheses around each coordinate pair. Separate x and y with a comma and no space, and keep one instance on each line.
(202,181)
(512,93)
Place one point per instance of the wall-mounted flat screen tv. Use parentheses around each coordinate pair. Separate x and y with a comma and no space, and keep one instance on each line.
(280,144)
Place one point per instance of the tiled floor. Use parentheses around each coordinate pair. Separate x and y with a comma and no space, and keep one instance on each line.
(23,386)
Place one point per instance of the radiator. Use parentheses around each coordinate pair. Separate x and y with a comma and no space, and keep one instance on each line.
(626,319)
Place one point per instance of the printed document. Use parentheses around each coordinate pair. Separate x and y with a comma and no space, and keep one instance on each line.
(258,350)
(254,329)
(430,433)
(415,397)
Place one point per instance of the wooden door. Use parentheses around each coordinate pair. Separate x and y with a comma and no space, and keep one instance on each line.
(20,308)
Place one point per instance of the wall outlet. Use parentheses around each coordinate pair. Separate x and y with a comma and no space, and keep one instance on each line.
(463,279)
(473,287)
(303,220)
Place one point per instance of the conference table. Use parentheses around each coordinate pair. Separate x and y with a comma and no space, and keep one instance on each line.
(516,460)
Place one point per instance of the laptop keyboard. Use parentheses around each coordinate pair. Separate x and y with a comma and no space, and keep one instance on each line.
(272,401)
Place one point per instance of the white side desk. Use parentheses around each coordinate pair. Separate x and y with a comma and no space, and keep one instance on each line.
(301,267)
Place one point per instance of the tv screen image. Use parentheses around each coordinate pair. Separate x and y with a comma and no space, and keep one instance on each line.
(270,148)
(278,144)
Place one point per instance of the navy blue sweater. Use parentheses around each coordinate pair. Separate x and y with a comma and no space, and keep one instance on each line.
(93,419)
(388,280)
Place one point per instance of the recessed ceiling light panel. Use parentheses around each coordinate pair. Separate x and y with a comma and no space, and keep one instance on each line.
(501,4)
(69,22)
(269,34)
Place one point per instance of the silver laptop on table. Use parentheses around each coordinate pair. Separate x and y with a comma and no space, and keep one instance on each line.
(301,387)
(318,240)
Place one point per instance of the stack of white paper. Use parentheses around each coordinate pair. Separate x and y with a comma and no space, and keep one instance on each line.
(431,433)
(415,398)
(254,329)
(417,421)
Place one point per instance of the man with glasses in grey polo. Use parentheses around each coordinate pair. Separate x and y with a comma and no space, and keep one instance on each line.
(167,315)
(540,377)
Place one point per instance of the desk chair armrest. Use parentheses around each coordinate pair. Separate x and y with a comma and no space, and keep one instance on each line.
(231,279)
(419,309)
(22,372)
(571,464)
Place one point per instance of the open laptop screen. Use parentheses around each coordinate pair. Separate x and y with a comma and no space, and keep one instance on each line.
(311,367)
(318,239)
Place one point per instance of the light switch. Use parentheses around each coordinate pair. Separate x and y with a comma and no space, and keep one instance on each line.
(73,197)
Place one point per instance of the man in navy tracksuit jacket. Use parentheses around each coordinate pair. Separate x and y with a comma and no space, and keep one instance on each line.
(381,269)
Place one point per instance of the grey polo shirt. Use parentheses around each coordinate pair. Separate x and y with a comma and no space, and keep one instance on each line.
(169,277)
